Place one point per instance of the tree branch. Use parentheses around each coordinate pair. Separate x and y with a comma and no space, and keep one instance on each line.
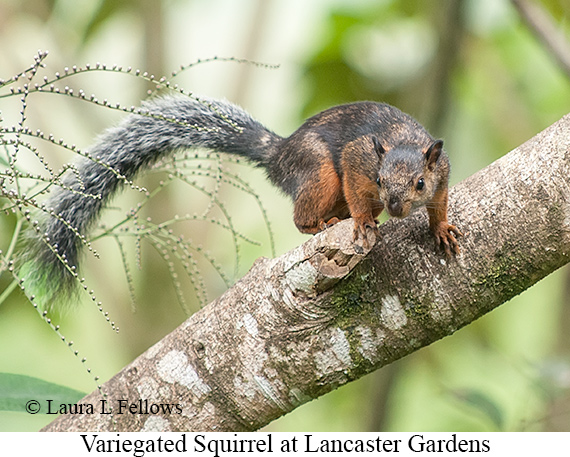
(546,30)
(322,315)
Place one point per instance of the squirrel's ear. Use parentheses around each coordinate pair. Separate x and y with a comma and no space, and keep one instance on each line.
(378,147)
(433,153)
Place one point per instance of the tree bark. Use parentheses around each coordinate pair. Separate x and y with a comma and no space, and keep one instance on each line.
(328,312)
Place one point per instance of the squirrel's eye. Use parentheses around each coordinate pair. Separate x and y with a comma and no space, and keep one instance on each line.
(420,184)
(378,181)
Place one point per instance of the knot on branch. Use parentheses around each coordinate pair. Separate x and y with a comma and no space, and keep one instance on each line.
(319,264)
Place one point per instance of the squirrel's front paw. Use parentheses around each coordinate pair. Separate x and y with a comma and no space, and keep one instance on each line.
(362,227)
(446,236)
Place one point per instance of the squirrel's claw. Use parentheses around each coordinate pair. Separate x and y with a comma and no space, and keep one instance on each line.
(446,236)
(325,225)
(361,228)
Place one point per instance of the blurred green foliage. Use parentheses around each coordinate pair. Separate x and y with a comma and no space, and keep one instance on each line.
(475,75)
(17,390)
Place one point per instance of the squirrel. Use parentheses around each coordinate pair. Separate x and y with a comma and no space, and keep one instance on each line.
(352,160)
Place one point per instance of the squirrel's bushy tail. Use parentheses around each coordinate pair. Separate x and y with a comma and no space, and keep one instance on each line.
(164,126)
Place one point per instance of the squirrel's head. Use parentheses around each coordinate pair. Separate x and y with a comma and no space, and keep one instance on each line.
(408,176)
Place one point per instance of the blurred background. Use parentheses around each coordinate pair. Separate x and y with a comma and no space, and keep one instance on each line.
(472,71)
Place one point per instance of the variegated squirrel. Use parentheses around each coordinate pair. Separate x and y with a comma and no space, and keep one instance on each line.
(352,160)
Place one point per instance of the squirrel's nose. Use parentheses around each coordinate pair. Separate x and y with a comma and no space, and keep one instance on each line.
(395,207)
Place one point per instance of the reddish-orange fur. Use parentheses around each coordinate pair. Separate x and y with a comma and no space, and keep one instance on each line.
(329,198)
(320,203)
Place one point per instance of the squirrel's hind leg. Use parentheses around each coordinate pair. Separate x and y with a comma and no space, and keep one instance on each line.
(320,204)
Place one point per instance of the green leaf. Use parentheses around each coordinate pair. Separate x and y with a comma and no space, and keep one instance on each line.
(17,391)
